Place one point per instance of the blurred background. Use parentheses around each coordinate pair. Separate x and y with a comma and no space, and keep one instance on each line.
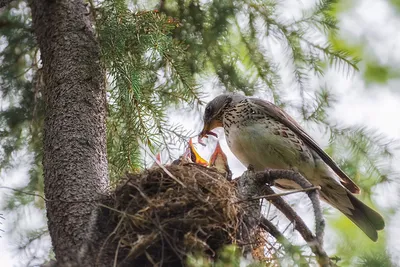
(332,65)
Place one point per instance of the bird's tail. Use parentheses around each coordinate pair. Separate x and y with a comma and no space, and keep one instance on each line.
(368,220)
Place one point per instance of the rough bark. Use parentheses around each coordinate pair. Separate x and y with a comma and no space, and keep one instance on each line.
(74,154)
(74,159)
(248,187)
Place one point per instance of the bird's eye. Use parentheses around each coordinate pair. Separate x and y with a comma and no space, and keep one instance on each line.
(208,109)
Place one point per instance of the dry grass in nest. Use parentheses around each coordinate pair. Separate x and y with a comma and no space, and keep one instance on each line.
(159,221)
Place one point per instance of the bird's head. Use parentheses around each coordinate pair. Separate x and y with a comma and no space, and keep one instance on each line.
(214,112)
(191,155)
(219,162)
(195,156)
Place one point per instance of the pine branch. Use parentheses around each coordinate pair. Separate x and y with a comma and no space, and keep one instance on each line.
(369,150)
(266,71)
(335,57)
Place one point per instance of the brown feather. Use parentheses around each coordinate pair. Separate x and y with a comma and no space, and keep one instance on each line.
(281,116)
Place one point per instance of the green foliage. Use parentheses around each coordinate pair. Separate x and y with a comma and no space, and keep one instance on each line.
(379,74)
(21,114)
(230,39)
(16,55)
(147,72)
(373,71)
(355,249)
(376,259)
(154,60)
(365,155)
(229,256)
(376,73)
(396,4)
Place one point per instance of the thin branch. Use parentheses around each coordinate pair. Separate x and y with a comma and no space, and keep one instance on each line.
(282,194)
(116,254)
(271,228)
(142,244)
(257,184)
(300,226)
(252,184)
(28,243)
(49,200)
(25,193)
(268,226)
(269,176)
(162,167)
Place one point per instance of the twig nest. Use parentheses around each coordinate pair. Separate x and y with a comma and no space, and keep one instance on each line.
(159,218)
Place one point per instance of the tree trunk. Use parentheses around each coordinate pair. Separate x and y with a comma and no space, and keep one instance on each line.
(74,160)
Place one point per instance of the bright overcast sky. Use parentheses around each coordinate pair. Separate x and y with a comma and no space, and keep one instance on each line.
(371,21)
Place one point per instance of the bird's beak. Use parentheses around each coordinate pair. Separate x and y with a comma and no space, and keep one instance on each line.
(218,153)
(158,161)
(219,161)
(196,158)
(158,157)
(208,126)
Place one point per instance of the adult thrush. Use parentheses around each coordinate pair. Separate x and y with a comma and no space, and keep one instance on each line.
(264,136)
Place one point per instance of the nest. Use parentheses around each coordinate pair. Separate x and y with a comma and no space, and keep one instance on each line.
(160,218)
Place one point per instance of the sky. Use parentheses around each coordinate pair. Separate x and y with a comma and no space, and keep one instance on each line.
(376,106)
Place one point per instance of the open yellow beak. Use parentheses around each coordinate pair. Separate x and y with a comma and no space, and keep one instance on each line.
(194,155)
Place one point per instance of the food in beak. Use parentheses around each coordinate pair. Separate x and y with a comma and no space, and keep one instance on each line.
(206,134)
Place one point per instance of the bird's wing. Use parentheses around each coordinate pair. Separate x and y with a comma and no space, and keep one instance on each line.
(281,116)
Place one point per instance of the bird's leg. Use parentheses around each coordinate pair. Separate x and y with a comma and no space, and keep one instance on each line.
(250,168)
(228,175)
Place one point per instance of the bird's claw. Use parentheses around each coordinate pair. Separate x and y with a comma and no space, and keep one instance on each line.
(250,168)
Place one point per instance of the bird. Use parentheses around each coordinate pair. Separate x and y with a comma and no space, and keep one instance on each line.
(191,156)
(219,162)
(263,136)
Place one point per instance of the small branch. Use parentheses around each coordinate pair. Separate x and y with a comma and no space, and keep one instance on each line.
(255,185)
(142,244)
(282,194)
(300,226)
(163,167)
(49,200)
(1,217)
(25,193)
(271,228)
(268,226)
(269,176)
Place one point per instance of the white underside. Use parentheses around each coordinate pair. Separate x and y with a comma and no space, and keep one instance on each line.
(254,145)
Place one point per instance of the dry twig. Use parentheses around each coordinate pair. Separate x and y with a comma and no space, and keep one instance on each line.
(260,188)
(301,227)
(269,176)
